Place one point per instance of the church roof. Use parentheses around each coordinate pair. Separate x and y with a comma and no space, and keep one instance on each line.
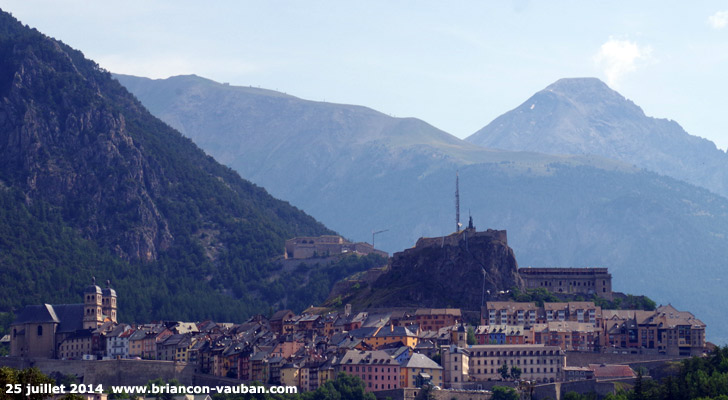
(92,289)
(69,317)
(43,313)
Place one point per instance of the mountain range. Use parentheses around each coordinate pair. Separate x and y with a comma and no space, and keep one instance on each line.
(359,171)
(93,185)
(585,117)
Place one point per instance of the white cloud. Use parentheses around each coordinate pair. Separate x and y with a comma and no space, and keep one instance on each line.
(718,20)
(620,57)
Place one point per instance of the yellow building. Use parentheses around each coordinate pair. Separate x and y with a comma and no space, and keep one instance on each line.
(419,370)
(392,334)
(76,346)
(290,375)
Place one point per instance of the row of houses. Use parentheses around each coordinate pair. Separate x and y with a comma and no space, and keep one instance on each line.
(583,326)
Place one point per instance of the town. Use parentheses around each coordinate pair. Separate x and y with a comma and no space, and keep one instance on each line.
(393,349)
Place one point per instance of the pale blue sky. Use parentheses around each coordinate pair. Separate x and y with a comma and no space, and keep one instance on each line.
(456,65)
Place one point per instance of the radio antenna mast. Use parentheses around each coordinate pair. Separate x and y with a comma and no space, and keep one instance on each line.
(457,201)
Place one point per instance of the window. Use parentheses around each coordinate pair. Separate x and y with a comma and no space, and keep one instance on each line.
(40,330)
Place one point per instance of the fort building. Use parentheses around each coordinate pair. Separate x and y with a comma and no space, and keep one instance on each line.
(325,246)
(585,281)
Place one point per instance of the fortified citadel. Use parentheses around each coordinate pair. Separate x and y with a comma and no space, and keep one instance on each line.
(325,246)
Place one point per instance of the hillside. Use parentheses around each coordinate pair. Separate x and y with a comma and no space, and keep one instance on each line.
(583,116)
(98,186)
(358,171)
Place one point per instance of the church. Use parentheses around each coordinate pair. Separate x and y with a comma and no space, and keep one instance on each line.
(40,330)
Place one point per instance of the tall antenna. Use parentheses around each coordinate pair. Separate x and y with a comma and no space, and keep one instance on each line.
(457,201)
(377,233)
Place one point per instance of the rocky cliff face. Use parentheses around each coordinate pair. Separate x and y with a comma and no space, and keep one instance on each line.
(73,137)
(86,163)
(64,143)
(447,271)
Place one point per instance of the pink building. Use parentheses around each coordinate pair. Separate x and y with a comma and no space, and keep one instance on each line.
(377,369)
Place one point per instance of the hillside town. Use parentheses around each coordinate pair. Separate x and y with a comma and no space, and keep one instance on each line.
(388,349)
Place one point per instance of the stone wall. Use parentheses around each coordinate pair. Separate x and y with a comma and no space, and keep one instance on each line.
(455,238)
(109,372)
(556,391)
(578,359)
(418,394)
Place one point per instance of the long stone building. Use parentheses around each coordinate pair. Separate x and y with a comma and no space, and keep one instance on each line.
(477,363)
(585,281)
(324,246)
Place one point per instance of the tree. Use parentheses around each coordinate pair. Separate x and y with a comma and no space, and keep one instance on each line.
(638,393)
(504,393)
(72,396)
(503,371)
(344,387)
(23,378)
(471,336)
(516,372)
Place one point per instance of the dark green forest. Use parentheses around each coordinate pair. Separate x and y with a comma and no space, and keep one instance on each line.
(51,263)
(87,175)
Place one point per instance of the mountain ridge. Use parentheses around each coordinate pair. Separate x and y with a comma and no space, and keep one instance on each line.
(583,116)
(182,236)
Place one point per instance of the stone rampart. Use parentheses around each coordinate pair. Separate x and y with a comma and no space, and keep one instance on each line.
(108,372)
(579,359)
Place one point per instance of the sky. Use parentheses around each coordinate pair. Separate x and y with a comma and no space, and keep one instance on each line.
(457,65)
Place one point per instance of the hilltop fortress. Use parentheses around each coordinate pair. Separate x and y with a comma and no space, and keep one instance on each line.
(464,269)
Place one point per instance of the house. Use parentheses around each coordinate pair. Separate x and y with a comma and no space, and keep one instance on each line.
(611,371)
(577,311)
(392,334)
(117,341)
(376,368)
(77,346)
(568,335)
(290,373)
(578,374)
(508,313)
(174,347)
(433,319)
(276,321)
(419,370)
(503,334)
